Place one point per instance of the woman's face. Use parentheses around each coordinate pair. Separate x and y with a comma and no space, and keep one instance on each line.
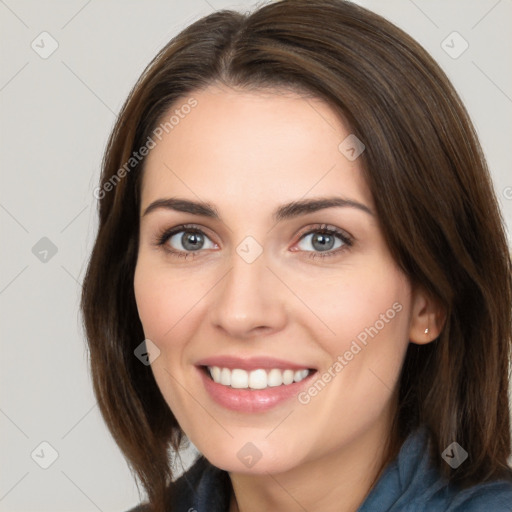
(255,281)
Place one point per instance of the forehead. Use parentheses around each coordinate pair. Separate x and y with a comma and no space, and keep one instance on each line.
(242,146)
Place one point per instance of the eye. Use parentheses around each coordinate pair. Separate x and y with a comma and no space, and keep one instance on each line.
(323,241)
(328,240)
(185,239)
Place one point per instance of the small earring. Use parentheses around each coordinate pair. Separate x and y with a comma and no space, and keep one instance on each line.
(426,330)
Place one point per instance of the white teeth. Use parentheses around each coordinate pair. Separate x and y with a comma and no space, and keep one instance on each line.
(225,377)
(288,376)
(215,373)
(256,379)
(274,377)
(239,378)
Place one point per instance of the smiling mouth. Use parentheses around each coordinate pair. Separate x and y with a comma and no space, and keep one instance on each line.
(258,379)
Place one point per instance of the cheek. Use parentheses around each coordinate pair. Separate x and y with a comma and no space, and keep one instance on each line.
(371,323)
(369,318)
(360,304)
(166,309)
(167,302)
(158,309)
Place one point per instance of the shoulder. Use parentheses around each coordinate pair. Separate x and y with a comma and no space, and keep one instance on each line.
(203,487)
(495,496)
(435,493)
(412,483)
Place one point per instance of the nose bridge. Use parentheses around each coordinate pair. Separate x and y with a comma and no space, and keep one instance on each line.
(246,300)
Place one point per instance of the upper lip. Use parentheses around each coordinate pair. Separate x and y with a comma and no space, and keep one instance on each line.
(251,363)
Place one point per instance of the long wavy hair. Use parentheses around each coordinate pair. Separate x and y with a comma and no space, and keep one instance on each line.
(433,196)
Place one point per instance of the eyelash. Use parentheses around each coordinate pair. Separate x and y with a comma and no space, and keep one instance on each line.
(163,237)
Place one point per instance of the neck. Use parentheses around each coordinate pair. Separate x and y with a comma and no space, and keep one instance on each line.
(338,481)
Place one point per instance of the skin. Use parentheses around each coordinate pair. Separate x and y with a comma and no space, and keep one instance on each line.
(247,153)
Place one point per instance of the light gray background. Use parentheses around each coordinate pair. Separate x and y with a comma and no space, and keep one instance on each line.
(56,114)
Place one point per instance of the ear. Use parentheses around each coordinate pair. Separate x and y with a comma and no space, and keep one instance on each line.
(427,317)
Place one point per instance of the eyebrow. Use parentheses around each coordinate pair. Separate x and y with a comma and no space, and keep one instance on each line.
(283,212)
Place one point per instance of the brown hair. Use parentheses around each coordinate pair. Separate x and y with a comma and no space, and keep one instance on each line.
(433,195)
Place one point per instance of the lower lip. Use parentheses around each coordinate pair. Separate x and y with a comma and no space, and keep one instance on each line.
(251,400)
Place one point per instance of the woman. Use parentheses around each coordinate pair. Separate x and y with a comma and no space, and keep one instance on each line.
(301,268)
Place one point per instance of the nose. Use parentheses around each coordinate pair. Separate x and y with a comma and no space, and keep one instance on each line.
(249,300)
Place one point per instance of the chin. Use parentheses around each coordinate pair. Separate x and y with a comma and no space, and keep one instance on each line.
(252,460)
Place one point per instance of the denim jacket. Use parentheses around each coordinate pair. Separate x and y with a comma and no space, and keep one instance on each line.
(408,484)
